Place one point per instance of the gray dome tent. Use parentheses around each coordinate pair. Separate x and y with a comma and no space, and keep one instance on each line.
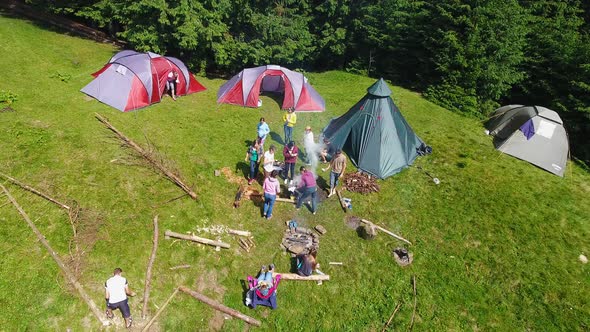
(531,133)
(374,134)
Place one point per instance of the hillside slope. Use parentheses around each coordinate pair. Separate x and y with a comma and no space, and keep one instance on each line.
(496,244)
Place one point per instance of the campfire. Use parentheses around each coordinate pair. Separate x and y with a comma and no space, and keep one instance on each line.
(300,240)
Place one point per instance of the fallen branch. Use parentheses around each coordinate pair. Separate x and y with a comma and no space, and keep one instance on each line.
(148,157)
(415,303)
(391,317)
(293,276)
(147,326)
(34,191)
(335,263)
(185,266)
(148,274)
(197,239)
(386,231)
(58,260)
(220,307)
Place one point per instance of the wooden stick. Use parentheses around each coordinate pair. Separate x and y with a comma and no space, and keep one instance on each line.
(293,276)
(197,239)
(58,260)
(386,231)
(185,266)
(148,274)
(285,200)
(220,307)
(342,204)
(240,233)
(34,191)
(335,263)
(391,317)
(415,303)
(147,326)
(147,156)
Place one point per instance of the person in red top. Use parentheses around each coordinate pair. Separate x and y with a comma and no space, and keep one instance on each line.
(307,187)
(290,152)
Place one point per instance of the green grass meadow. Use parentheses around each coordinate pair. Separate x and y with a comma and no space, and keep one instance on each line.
(495,245)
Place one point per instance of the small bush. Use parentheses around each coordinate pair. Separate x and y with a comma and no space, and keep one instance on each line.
(62,77)
(7,97)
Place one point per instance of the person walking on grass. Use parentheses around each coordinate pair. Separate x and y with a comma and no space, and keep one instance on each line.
(289,119)
(290,152)
(268,161)
(272,188)
(262,130)
(307,187)
(116,291)
(171,83)
(338,165)
(253,156)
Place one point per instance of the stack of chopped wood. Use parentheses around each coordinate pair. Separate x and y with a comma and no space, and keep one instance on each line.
(360,183)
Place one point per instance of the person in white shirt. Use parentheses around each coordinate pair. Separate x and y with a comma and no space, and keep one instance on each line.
(116,291)
(269,160)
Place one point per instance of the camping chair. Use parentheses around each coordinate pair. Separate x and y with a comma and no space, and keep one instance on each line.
(257,298)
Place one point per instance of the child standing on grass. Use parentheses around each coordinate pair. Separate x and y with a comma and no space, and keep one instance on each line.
(253,156)
(271,188)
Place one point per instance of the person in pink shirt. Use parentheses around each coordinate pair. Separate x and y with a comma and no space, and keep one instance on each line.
(271,188)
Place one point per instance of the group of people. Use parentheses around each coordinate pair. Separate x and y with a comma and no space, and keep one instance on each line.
(307,186)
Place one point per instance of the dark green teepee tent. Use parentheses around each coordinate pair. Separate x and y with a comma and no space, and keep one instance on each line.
(374,134)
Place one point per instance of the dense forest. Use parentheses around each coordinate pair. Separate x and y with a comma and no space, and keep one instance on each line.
(469,56)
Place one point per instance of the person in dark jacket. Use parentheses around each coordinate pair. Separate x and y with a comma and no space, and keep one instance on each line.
(290,152)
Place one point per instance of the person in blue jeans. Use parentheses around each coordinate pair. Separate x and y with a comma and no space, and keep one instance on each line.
(307,187)
(271,188)
(253,155)
(265,280)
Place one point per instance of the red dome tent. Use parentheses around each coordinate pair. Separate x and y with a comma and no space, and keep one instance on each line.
(244,88)
(132,80)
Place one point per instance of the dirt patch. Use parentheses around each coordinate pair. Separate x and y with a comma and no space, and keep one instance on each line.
(7,109)
(231,176)
(85,225)
(207,282)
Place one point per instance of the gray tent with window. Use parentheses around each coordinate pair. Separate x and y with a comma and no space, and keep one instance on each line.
(531,133)
(374,134)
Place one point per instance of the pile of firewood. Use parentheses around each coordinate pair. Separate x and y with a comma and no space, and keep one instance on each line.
(360,183)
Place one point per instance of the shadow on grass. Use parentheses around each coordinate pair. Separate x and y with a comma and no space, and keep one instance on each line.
(243,167)
(277,138)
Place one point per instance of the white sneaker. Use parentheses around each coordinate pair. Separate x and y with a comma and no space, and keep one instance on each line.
(286,180)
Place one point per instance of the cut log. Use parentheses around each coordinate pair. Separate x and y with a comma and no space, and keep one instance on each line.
(147,326)
(293,276)
(148,274)
(98,313)
(321,229)
(197,239)
(34,191)
(335,263)
(240,233)
(386,231)
(342,204)
(220,307)
(148,157)
(285,200)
